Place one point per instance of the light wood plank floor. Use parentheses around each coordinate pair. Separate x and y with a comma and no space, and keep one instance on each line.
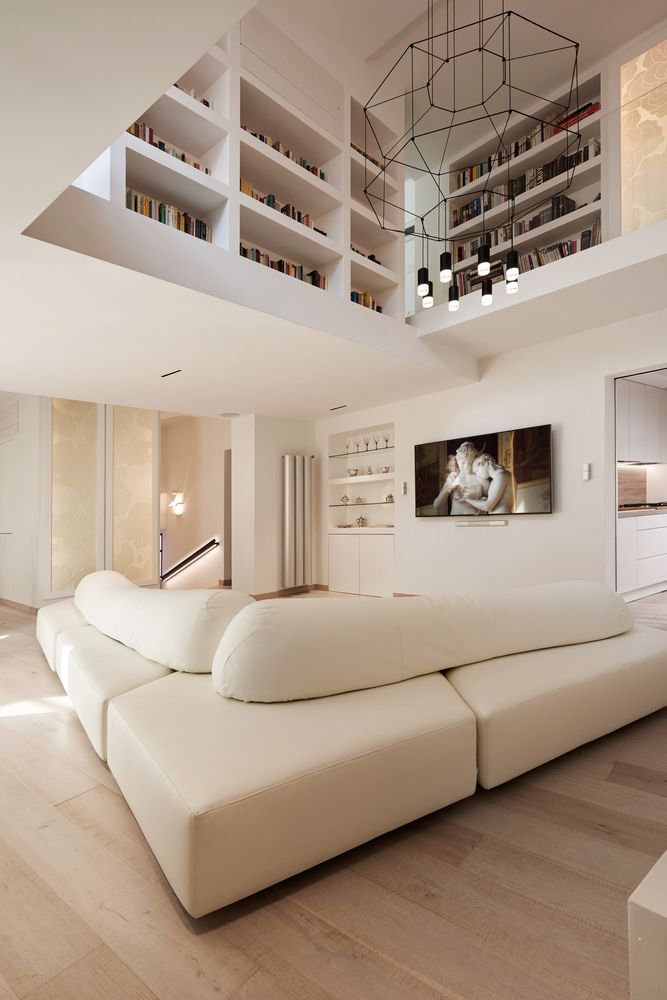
(515,894)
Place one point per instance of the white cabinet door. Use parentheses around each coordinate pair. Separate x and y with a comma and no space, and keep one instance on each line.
(626,554)
(651,543)
(653,423)
(376,565)
(637,422)
(663,427)
(651,571)
(623,420)
(344,563)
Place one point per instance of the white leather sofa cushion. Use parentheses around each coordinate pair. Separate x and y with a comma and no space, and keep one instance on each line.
(283,650)
(532,707)
(234,797)
(94,669)
(179,628)
(53,619)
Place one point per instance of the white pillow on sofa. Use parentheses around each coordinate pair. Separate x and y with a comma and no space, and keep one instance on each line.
(180,629)
(280,650)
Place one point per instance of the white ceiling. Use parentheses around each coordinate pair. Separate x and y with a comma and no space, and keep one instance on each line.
(382,27)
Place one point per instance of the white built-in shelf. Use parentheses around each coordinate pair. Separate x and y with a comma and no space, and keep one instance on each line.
(544,235)
(365,229)
(158,174)
(185,122)
(364,452)
(263,111)
(365,503)
(268,229)
(272,173)
(205,71)
(387,529)
(586,174)
(362,172)
(543,153)
(370,276)
(377,477)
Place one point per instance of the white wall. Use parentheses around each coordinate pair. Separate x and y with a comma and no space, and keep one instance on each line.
(19,550)
(563,383)
(192,462)
(258,444)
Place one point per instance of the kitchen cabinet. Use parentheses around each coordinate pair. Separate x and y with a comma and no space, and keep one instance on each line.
(362,564)
(641,552)
(641,422)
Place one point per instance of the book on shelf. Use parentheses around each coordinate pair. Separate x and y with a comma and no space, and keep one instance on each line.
(283,266)
(365,253)
(190,91)
(502,193)
(270,200)
(144,132)
(284,151)
(538,135)
(366,156)
(168,215)
(366,299)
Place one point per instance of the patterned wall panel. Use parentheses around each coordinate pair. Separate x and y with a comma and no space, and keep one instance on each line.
(132,527)
(644,139)
(73,492)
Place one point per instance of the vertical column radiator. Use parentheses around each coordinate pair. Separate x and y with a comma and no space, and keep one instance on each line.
(297,520)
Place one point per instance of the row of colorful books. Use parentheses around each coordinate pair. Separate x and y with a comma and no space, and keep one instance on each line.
(287,267)
(367,300)
(366,156)
(559,206)
(289,210)
(146,134)
(284,151)
(538,135)
(168,215)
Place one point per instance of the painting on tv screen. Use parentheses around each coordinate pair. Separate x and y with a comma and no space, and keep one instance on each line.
(506,472)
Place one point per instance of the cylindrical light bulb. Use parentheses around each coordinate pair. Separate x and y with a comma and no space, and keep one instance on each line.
(512,266)
(453,298)
(483,260)
(445,267)
(427,300)
(422,281)
(512,287)
(487,292)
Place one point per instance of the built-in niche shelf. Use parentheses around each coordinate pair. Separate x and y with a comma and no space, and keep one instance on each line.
(375,478)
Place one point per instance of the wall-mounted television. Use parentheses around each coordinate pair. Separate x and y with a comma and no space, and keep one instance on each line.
(506,472)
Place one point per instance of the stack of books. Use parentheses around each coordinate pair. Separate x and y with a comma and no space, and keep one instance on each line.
(287,267)
(367,300)
(280,148)
(290,211)
(146,134)
(152,208)
(364,253)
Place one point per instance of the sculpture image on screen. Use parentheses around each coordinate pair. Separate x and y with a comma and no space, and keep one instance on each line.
(507,472)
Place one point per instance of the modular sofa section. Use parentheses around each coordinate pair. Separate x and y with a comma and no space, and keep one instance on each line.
(233,797)
(533,707)
(53,619)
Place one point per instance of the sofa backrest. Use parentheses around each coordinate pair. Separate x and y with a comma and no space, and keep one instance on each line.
(180,629)
(280,650)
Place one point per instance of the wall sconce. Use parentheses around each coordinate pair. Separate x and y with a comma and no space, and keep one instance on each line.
(176,504)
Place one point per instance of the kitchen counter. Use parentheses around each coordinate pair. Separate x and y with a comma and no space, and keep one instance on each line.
(642,512)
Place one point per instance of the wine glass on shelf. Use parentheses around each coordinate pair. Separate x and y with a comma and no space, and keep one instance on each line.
(376,438)
(367,440)
(357,442)
(348,442)
(386,435)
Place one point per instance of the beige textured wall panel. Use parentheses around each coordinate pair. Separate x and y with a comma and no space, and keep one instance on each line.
(644,139)
(132,527)
(73,492)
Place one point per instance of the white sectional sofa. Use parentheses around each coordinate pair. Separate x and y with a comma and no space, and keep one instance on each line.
(254,740)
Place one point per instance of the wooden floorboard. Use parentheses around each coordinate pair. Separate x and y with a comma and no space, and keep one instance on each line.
(515,894)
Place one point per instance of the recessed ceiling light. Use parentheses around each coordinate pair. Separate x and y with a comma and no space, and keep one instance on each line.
(230,415)
(175,372)
(342,406)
